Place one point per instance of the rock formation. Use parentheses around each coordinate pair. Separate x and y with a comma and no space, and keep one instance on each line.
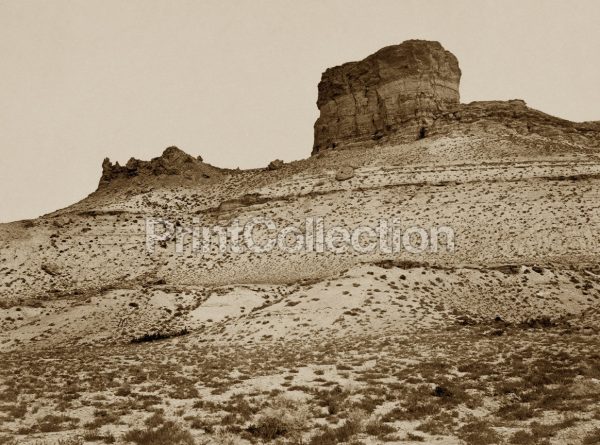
(515,117)
(398,88)
(173,162)
(275,165)
(411,91)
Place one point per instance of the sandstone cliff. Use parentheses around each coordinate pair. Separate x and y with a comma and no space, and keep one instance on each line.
(400,87)
(410,91)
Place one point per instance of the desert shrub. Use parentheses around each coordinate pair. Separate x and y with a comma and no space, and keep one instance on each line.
(478,433)
(200,423)
(269,428)
(440,425)
(155,420)
(369,403)
(123,390)
(168,433)
(225,438)
(283,418)
(415,437)
(241,407)
(332,399)
(330,436)
(101,418)
(379,429)
(515,411)
(52,423)
(522,437)
(94,435)
(413,409)
(229,419)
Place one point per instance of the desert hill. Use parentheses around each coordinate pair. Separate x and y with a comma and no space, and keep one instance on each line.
(519,188)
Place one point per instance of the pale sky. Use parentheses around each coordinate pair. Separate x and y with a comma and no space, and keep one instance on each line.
(236,81)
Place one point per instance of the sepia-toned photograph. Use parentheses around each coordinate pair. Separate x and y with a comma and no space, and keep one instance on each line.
(275,222)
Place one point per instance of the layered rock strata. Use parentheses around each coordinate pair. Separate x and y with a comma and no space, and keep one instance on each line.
(398,88)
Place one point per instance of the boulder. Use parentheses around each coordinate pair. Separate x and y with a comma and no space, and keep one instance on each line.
(344,173)
(275,165)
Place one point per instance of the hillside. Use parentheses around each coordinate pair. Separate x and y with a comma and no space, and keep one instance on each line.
(487,337)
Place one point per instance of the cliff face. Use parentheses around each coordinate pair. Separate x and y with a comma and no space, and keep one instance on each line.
(398,88)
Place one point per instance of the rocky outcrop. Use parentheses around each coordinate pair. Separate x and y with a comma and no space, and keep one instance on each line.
(173,162)
(400,88)
(514,116)
(275,165)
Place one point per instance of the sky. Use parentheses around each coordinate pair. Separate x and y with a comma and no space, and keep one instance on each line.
(236,81)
